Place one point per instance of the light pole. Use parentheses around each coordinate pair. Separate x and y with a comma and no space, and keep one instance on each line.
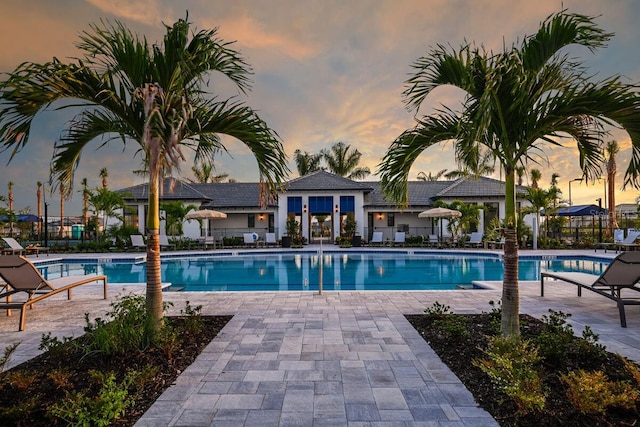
(575,179)
(599,200)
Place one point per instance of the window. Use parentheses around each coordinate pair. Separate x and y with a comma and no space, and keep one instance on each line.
(321,205)
(294,205)
(251,220)
(347,205)
(391,219)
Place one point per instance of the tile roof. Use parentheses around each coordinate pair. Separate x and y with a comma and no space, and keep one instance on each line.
(231,195)
(326,181)
(172,189)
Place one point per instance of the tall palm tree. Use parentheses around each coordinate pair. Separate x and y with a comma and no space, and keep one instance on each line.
(306,162)
(39,208)
(429,177)
(343,160)
(204,173)
(10,196)
(86,194)
(610,150)
(482,163)
(104,174)
(520,173)
(63,195)
(148,93)
(517,101)
(536,175)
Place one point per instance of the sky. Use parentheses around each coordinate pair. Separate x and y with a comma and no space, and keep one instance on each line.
(324,71)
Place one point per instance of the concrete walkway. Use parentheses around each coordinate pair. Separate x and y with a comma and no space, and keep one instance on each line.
(337,359)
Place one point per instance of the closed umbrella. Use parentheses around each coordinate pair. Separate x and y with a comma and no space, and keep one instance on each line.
(440,213)
(205,214)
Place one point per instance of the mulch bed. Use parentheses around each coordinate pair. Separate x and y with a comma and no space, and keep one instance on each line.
(458,353)
(27,390)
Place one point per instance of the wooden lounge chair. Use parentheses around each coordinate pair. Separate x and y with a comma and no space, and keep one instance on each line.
(622,274)
(21,277)
(376,238)
(16,248)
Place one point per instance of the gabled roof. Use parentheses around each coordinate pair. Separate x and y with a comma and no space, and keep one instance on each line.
(172,189)
(326,181)
(421,194)
(465,188)
(231,195)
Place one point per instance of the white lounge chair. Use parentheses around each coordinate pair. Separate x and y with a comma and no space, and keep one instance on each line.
(399,239)
(16,248)
(475,240)
(137,242)
(376,238)
(622,273)
(164,242)
(629,241)
(251,239)
(270,239)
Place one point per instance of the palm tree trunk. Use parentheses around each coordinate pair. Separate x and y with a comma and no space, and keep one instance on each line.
(39,197)
(510,324)
(154,279)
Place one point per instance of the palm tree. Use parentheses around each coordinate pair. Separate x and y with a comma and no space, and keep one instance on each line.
(480,164)
(104,173)
(63,195)
(203,172)
(10,196)
(107,202)
(86,193)
(424,177)
(516,101)
(610,150)
(39,208)
(175,212)
(536,175)
(520,173)
(343,160)
(306,162)
(150,94)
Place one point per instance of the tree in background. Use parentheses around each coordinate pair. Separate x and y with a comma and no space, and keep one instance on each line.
(610,150)
(306,162)
(174,216)
(10,198)
(536,175)
(150,94)
(109,204)
(517,101)
(39,208)
(481,163)
(342,160)
(204,173)
(104,174)
(428,177)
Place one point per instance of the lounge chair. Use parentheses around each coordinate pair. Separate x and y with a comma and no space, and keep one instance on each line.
(137,242)
(251,239)
(376,238)
(475,241)
(16,248)
(270,239)
(399,239)
(629,242)
(21,277)
(164,242)
(622,273)
(431,241)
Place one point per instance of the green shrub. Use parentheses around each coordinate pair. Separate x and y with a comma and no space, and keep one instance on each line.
(553,343)
(124,333)
(454,326)
(511,366)
(193,323)
(593,393)
(111,401)
(438,309)
(6,355)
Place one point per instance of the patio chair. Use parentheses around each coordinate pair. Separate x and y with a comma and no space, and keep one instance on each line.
(137,242)
(431,241)
(16,248)
(164,242)
(629,242)
(623,273)
(376,238)
(399,239)
(270,239)
(250,239)
(475,241)
(21,277)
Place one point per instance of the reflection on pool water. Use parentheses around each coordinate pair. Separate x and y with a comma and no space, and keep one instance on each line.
(340,271)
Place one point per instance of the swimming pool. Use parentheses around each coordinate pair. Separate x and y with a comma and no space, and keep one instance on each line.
(300,271)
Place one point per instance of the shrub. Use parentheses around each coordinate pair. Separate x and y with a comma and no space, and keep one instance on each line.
(554,341)
(60,378)
(21,380)
(438,309)
(111,401)
(6,355)
(593,393)
(511,366)
(193,323)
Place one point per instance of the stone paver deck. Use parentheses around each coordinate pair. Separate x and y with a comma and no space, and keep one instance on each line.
(336,359)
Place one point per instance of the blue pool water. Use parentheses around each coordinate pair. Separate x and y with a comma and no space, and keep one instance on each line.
(340,271)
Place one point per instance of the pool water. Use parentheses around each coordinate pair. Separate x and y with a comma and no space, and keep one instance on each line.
(340,271)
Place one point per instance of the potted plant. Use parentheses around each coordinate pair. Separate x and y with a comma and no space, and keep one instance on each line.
(293,230)
(350,230)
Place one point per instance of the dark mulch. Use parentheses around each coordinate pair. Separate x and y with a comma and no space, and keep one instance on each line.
(458,352)
(31,382)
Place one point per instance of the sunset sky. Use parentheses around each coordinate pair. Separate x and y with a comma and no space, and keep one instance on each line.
(325,71)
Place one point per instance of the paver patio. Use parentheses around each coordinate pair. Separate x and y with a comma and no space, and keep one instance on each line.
(340,358)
